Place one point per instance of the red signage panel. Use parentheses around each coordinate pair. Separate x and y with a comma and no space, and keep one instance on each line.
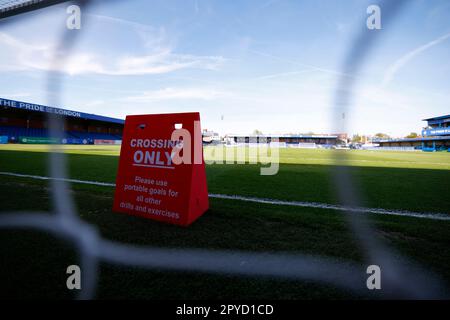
(161,172)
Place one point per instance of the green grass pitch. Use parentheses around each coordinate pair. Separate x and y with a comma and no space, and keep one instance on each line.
(35,262)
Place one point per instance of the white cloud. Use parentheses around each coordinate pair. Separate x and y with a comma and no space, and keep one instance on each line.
(152,37)
(401,62)
(15,95)
(298,64)
(94,103)
(373,97)
(162,62)
(176,93)
(282,74)
(18,55)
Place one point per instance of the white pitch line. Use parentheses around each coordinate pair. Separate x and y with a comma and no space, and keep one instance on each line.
(427,215)
(406,213)
(104,184)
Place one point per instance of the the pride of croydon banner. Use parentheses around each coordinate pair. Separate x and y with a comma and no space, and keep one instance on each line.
(161,171)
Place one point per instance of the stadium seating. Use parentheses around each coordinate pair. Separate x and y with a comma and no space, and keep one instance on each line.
(23,132)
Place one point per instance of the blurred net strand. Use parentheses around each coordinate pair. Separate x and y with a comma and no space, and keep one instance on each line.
(398,281)
(402,273)
(93,248)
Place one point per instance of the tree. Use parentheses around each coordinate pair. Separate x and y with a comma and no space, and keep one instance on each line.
(257,132)
(412,135)
(382,135)
(356,138)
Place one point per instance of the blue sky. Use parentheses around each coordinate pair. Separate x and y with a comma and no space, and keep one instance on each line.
(270,65)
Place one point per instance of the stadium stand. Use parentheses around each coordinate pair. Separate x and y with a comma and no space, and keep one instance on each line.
(22,122)
(299,141)
(435,137)
(9,8)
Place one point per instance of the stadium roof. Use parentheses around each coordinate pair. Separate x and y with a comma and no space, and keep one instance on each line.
(413,139)
(64,112)
(437,118)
